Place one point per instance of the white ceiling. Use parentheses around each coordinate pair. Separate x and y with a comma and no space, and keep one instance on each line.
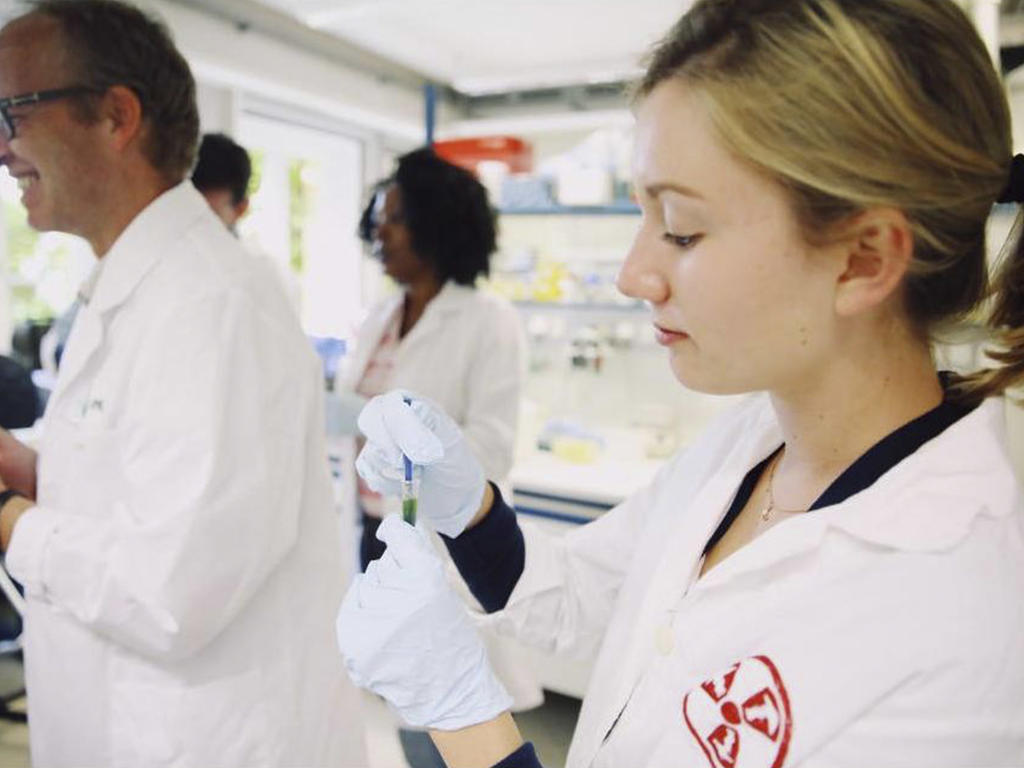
(491,46)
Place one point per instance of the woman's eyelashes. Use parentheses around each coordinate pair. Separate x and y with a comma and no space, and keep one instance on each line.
(681,241)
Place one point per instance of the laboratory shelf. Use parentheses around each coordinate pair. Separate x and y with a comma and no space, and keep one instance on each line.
(617,209)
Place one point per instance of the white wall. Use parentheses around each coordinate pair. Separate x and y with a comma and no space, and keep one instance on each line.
(219,107)
(1015,95)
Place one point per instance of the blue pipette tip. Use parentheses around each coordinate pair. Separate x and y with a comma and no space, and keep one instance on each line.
(406,462)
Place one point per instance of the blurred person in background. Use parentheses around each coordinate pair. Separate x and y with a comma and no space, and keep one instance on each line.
(223,175)
(832,574)
(174,531)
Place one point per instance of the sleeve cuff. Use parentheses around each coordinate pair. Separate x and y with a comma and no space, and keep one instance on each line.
(491,555)
(25,556)
(524,757)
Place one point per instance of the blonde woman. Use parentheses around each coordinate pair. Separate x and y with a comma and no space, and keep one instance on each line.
(832,575)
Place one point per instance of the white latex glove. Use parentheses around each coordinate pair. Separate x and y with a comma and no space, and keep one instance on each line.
(451,480)
(405,635)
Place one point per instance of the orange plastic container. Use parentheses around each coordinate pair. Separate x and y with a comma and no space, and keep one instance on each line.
(468,153)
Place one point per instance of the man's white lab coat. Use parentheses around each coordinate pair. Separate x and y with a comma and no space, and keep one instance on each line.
(883,631)
(183,565)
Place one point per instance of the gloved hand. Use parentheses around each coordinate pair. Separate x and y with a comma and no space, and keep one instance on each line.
(404,634)
(451,481)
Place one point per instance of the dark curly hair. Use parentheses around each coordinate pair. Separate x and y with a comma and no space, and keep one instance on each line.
(450,221)
(367,223)
(113,43)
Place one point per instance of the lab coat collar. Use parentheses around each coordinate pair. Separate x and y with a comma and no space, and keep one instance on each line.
(920,505)
(451,298)
(143,243)
(928,502)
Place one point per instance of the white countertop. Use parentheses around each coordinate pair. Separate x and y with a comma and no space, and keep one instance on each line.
(607,480)
(620,469)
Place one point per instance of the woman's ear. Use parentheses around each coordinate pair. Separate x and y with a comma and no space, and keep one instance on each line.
(877,246)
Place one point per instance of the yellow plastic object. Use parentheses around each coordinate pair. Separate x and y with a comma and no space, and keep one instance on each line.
(575,450)
(548,281)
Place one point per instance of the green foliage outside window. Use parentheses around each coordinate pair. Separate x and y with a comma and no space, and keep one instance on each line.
(30,260)
(298,213)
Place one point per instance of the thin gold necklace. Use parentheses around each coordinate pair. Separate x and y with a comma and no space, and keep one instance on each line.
(770,508)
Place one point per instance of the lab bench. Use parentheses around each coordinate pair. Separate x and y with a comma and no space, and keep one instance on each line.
(549,488)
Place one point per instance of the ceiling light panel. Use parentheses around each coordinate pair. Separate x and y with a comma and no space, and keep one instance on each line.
(479,45)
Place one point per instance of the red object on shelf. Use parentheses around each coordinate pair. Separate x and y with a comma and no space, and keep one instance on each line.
(468,153)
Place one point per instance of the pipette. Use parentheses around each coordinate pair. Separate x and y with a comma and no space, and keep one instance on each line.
(408,491)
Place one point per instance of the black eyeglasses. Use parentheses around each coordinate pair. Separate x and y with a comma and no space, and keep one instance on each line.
(7,131)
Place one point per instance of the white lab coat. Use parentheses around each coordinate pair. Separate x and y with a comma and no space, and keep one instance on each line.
(183,565)
(466,353)
(884,631)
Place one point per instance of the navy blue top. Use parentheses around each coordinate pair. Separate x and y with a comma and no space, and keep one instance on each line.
(524,757)
(490,555)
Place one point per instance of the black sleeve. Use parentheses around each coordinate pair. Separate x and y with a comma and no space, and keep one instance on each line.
(491,555)
(524,757)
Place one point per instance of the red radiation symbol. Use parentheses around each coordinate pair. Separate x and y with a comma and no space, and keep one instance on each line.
(741,719)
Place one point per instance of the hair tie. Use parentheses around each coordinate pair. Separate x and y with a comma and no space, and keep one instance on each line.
(1014,191)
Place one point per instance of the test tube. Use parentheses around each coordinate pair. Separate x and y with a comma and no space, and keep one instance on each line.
(408,491)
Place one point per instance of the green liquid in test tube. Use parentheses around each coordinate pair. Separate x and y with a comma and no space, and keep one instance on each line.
(408,492)
(409,509)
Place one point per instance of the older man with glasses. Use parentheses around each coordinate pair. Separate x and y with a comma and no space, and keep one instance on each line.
(174,533)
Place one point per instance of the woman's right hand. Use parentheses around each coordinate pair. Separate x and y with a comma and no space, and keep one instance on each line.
(405,635)
(452,484)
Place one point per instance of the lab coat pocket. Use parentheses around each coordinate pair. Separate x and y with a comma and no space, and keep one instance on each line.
(224,722)
(79,469)
(94,478)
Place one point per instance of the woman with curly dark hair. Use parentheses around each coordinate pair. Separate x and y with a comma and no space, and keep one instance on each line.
(432,228)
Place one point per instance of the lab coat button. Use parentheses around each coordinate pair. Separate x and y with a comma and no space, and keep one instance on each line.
(664,640)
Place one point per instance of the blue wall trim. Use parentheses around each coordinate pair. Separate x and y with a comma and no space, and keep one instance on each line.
(562,517)
(603,506)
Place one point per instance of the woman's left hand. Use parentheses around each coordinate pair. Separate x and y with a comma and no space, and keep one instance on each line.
(452,485)
(406,636)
